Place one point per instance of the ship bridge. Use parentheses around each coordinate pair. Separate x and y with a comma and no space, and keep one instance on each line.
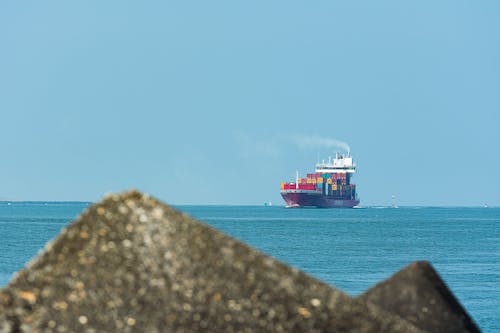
(340,164)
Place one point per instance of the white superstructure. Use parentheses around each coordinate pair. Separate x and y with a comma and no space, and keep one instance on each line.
(340,164)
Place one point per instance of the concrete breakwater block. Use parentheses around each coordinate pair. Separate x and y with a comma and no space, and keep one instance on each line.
(418,294)
(133,264)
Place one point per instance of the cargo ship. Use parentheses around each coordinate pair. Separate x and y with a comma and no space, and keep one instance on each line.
(328,187)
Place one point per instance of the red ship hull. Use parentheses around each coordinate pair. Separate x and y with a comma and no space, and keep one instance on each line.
(298,198)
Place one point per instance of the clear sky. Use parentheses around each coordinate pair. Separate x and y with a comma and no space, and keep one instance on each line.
(208,102)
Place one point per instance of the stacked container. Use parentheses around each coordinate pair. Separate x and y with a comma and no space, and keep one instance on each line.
(330,184)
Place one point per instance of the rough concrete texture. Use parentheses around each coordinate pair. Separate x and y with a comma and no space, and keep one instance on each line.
(131,263)
(419,295)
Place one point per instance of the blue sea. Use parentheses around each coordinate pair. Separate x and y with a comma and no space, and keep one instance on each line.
(351,249)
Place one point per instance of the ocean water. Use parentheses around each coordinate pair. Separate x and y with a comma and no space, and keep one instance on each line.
(351,249)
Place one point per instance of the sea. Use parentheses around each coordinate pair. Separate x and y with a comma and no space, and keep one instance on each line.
(350,249)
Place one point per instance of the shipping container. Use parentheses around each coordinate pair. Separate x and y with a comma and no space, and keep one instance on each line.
(338,176)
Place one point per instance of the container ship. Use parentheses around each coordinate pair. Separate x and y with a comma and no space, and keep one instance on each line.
(329,187)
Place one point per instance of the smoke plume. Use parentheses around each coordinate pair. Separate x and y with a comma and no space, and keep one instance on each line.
(314,141)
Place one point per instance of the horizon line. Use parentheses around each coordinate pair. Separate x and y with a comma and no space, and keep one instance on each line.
(2,201)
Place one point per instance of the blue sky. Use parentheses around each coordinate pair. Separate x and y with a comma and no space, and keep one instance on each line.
(203,102)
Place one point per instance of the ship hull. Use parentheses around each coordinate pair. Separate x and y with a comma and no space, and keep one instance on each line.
(315,199)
